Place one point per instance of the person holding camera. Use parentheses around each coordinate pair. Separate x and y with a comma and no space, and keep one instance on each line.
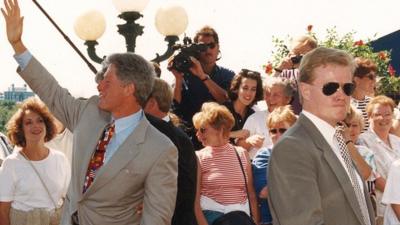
(204,81)
(288,68)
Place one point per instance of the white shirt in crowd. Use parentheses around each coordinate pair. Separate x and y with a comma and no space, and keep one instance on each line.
(384,157)
(257,124)
(392,194)
(21,186)
(63,143)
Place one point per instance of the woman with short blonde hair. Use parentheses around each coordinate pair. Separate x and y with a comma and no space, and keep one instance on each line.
(221,184)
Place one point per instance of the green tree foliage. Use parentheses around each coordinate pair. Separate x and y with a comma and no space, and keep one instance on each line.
(7,109)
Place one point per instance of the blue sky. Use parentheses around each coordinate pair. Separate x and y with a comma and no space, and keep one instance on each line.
(245,29)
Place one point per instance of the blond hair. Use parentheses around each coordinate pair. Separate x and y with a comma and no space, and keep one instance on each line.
(281,114)
(215,115)
(355,114)
(379,100)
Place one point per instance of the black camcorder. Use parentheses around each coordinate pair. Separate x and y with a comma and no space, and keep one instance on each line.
(182,61)
(296,59)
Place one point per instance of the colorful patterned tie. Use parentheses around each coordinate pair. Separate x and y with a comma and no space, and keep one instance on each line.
(353,176)
(97,159)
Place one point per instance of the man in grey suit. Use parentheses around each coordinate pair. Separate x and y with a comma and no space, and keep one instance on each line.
(139,163)
(312,179)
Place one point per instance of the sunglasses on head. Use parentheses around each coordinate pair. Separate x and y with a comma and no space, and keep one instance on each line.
(330,88)
(246,71)
(276,130)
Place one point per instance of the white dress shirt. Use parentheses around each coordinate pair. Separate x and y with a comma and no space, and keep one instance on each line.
(328,132)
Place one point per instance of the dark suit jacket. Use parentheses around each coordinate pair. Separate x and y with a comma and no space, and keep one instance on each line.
(187,171)
(307,183)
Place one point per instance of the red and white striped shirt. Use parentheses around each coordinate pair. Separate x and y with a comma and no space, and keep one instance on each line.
(221,176)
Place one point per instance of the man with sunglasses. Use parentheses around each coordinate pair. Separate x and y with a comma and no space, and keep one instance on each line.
(312,179)
(205,82)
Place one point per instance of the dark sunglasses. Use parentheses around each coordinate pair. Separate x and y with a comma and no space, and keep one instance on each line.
(202,130)
(211,45)
(330,88)
(276,130)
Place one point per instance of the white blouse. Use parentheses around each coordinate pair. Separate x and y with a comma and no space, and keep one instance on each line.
(20,184)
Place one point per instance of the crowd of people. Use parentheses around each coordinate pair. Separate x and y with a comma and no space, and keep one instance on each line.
(322,150)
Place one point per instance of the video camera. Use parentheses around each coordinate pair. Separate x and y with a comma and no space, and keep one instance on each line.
(182,61)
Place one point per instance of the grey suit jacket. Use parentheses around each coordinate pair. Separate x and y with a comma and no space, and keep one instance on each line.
(144,168)
(307,183)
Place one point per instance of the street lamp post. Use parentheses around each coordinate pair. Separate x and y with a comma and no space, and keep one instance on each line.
(171,21)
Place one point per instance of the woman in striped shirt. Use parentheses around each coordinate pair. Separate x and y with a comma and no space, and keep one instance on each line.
(364,79)
(220,182)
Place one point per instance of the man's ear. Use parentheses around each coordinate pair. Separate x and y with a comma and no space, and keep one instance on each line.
(130,89)
(150,103)
(304,91)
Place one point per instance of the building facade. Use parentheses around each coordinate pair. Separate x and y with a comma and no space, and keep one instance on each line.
(17,94)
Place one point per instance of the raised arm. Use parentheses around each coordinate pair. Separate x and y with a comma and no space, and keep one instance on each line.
(215,90)
(14,25)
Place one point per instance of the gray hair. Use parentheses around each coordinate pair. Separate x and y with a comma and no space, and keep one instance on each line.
(286,85)
(131,68)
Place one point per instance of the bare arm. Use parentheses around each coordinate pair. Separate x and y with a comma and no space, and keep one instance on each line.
(242,134)
(201,220)
(5,213)
(215,90)
(252,193)
(396,209)
(380,183)
(255,141)
(361,164)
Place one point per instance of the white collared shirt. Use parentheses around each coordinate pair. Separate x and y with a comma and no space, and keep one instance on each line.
(166,118)
(328,132)
(384,157)
(123,128)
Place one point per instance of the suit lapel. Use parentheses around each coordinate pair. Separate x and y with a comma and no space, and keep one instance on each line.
(124,154)
(335,164)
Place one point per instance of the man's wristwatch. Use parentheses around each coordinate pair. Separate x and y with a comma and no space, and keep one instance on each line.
(205,78)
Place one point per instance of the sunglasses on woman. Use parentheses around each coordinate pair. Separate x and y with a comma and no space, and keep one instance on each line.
(276,130)
(202,130)
(330,88)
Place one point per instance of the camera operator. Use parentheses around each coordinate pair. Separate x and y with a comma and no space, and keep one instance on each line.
(288,68)
(203,82)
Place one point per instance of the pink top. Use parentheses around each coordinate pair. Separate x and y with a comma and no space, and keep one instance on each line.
(221,177)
